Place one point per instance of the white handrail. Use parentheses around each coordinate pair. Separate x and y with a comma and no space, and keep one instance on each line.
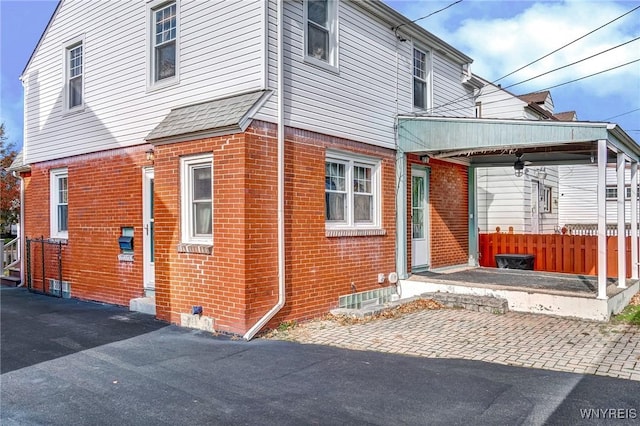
(9,254)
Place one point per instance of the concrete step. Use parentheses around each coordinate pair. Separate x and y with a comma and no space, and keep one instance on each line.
(14,272)
(496,305)
(10,281)
(146,305)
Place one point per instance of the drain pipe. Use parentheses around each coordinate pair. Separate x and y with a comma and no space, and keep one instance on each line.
(281,266)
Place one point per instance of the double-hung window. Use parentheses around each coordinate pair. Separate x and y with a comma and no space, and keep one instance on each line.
(164,37)
(74,69)
(421,76)
(197,199)
(321,32)
(352,194)
(59,217)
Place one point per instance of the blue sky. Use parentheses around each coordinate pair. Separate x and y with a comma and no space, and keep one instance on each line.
(501,36)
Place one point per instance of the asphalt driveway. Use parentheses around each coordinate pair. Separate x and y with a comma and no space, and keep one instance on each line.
(86,364)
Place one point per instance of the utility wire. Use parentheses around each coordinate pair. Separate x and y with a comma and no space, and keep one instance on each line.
(571,64)
(541,90)
(498,89)
(426,16)
(624,113)
(568,44)
(531,63)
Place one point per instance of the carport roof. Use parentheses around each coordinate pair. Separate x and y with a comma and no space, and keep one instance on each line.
(495,142)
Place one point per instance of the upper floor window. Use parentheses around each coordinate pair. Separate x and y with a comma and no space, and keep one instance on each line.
(321,32)
(59,216)
(197,199)
(421,75)
(74,72)
(164,38)
(352,196)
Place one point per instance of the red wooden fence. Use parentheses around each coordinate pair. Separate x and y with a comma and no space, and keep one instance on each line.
(572,254)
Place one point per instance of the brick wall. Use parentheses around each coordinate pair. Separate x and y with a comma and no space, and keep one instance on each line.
(104,194)
(449,203)
(238,283)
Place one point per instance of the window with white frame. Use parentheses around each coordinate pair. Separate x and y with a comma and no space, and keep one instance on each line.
(321,31)
(74,70)
(59,216)
(164,36)
(547,198)
(197,199)
(421,75)
(352,194)
(611,192)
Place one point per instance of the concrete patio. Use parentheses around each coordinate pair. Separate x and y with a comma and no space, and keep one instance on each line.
(563,295)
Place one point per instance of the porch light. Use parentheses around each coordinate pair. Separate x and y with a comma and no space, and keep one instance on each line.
(150,154)
(518,166)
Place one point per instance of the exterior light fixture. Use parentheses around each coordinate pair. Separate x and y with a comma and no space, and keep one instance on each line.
(151,155)
(518,166)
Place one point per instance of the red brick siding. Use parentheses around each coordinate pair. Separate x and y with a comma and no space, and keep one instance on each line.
(238,283)
(449,202)
(105,192)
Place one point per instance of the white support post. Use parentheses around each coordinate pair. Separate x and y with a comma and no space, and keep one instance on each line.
(401,215)
(634,220)
(602,219)
(622,231)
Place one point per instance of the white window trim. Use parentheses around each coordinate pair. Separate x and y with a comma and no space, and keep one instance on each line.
(185,196)
(547,199)
(54,176)
(152,84)
(428,79)
(334,42)
(351,160)
(627,192)
(67,46)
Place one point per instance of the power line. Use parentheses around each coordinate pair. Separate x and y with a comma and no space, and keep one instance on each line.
(498,89)
(624,113)
(541,90)
(573,63)
(531,63)
(568,44)
(426,16)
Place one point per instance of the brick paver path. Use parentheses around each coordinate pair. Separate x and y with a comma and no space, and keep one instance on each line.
(518,339)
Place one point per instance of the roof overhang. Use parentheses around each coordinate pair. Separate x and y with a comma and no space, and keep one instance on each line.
(495,142)
(217,117)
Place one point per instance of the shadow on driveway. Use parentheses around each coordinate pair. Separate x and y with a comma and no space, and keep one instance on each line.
(36,328)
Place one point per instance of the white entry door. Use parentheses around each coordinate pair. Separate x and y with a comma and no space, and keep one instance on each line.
(535,207)
(419,219)
(148,229)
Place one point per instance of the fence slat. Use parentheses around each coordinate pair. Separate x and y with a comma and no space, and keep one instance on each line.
(573,254)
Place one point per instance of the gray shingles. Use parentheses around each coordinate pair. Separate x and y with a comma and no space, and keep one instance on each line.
(227,112)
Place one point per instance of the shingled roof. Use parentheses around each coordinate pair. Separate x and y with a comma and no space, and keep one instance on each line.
(210,118)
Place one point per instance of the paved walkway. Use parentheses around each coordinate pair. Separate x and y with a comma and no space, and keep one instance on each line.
(517,339)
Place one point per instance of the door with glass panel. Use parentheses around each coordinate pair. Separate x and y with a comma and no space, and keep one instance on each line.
(419,219)
(148,231)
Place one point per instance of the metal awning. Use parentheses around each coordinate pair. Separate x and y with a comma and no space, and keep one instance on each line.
(495,142)
(485,142)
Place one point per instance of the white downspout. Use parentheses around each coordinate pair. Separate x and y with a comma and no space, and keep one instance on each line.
(21,238)
(281,266)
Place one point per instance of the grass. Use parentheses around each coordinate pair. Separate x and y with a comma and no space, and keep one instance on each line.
(630,314)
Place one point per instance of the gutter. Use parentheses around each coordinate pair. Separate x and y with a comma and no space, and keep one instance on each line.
(281,266)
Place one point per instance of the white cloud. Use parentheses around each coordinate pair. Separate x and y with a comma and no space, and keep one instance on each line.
(502,45)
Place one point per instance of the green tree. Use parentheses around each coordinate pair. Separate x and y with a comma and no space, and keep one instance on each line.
(9,186)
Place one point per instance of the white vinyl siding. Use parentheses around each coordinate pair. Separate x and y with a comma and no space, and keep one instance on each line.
(359,102)
(119,111)
(505,201)
(578,199)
